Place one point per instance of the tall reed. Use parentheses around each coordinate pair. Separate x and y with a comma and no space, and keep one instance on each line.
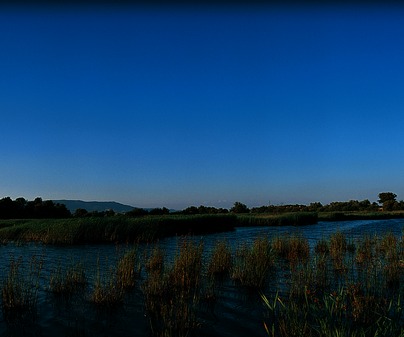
(293,248)
(172,296)
(128,269)
(20,290)
(252,264)
(107,293)
(67,281)
(221,260)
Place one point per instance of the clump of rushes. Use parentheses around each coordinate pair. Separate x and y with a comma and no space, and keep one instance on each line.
(252,264)
(20,291)
(338,249)
(66,282)
(389,248)
(338,244)
(172,296)
(128,269)
(299,249)
(106,292)
(155,262)
(220,262)
(292,248)
(322,247)
(365,254)
(347,311)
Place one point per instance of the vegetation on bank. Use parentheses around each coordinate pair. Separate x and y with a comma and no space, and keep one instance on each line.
(288,219)
(112,229)
(123,229)
(24,209)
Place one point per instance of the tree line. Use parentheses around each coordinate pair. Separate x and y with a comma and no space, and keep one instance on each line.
(21,208)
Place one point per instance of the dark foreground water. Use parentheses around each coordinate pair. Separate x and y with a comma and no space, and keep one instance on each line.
(236,311)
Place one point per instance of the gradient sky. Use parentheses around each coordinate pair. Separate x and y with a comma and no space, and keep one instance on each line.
(203,105)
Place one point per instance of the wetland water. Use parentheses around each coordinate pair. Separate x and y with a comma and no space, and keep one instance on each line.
(236,311)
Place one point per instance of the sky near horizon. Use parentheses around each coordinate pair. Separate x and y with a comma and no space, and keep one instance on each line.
(180,106)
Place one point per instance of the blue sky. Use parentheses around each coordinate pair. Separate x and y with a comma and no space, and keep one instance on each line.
(180,106)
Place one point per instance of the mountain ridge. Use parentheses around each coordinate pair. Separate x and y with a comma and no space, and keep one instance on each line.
(92,206)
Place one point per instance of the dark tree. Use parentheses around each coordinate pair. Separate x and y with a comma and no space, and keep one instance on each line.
(239,208)
(386,196)
(388,200)
(190,210)
(135,212)
(159,211)
(80,213)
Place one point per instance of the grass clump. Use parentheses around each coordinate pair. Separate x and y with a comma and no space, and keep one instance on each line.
(292,248)
(66,282)
(253,263)
(155,261)
(20,290)
(220,262)
(117,229)
(128,269)
(172,295)
(287,219)
(347,311)
(106,293)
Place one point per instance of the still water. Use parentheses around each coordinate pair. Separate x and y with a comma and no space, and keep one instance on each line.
(235,313)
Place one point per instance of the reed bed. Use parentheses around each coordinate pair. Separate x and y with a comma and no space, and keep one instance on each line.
(293,248)
(287,219)
(221,260)
(252,264)
(172,294)
(19,291)
(67,281)
(118,229)
(331,290)
(107,292)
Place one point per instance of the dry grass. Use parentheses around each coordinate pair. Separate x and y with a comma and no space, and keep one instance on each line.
(252,265)
(172,295)
(221,260)
(20,290)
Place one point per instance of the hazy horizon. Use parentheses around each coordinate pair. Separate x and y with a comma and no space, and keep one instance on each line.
(180,106)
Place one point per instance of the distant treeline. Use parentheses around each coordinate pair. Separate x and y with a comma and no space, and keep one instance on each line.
(23,209)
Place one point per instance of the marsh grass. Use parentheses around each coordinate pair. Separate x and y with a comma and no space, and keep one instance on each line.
(287,219)
(155,261)
(117,229)
(172,294)
(67,281)
(20,290)
(293,248)
(252,264)
(361,298)
(128,269)
(347,311)
(315,297)
(107,292)
(221,260)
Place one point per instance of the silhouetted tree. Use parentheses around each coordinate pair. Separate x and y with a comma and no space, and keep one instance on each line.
(191,210)
(80,213)
(239,207)
(159,211)
(388,200)
(135,212)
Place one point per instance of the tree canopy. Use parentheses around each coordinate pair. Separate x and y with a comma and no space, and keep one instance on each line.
(24,209)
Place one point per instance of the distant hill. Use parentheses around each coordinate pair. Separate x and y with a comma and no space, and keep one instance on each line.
(90,206)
